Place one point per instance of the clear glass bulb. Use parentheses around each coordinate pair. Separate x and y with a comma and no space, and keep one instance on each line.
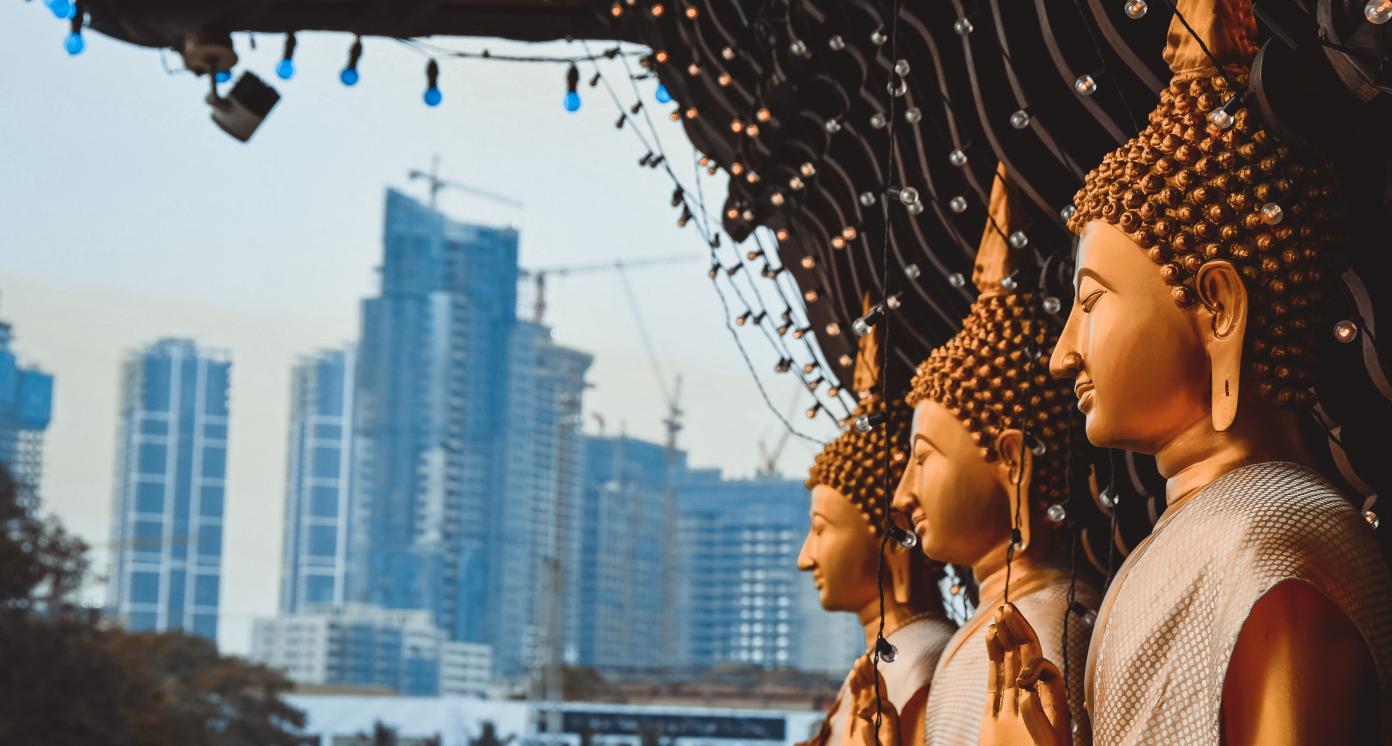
(1378,11)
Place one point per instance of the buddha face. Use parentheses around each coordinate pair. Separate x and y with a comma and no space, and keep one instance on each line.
(1138,361)
(955,498)
(840,552)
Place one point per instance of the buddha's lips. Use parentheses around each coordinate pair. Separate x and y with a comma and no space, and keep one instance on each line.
(1084,391)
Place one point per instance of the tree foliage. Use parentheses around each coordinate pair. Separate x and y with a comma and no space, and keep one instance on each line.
(70,677)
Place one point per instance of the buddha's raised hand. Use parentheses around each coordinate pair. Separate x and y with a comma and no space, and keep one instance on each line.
(865,682)
(1026,701)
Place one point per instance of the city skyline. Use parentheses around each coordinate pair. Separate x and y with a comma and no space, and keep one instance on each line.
(265,249)
(443,354)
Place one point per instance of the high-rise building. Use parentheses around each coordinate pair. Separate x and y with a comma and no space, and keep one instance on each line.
(624,567)
(317,478)
(26,405)
(743,599)
(171,478)
(370,647)
(428,417)
(536,517)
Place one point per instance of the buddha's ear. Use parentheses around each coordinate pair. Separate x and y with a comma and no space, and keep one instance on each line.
(1224,300)
(1016,471)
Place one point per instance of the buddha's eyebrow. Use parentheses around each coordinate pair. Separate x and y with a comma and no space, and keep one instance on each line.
(1089,272)
(925,439)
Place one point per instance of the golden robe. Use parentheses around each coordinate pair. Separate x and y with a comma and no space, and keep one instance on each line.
(957,701)
(1172,616)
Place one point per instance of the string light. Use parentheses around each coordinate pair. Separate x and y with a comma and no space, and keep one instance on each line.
(285,69)
(1020,119)
(836,43)
(572,96)
(864,324)
(1222,117)
(1346,331)
(74,43)
(61,9)
(432,97)
(957,157)
(1378,12)
(867,422)
(712,239)
(1135,9)
(349,75)
(963,26)
(1085,85)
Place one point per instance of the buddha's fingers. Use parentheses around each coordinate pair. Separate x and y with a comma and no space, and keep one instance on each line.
(1045,706)
(1021,631)
(995,671)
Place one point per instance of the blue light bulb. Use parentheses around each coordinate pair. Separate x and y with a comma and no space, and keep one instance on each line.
(286,69)
(74,44)
(663,95)
(349,76)
(572,101)
(61,8)
(222,76)
(433,97)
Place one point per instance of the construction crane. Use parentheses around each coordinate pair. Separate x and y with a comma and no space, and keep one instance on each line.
(768,457)
(436,184)
(618,265)
(673,424)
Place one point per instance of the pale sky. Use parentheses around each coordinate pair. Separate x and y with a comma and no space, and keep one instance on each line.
(126,215)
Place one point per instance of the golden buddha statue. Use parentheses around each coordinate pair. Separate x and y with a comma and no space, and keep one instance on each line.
(989,454)
(842,551)
(1259,609)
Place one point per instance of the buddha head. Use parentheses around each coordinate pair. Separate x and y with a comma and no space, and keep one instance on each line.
(848,482)
(989,443)
(1201,263)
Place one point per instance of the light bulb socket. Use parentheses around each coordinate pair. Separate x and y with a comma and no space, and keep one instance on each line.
(903,537)
(867,422)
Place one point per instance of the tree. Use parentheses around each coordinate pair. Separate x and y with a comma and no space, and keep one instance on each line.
(69,677)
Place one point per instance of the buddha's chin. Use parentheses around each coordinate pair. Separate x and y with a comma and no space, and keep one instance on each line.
(1103,433)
